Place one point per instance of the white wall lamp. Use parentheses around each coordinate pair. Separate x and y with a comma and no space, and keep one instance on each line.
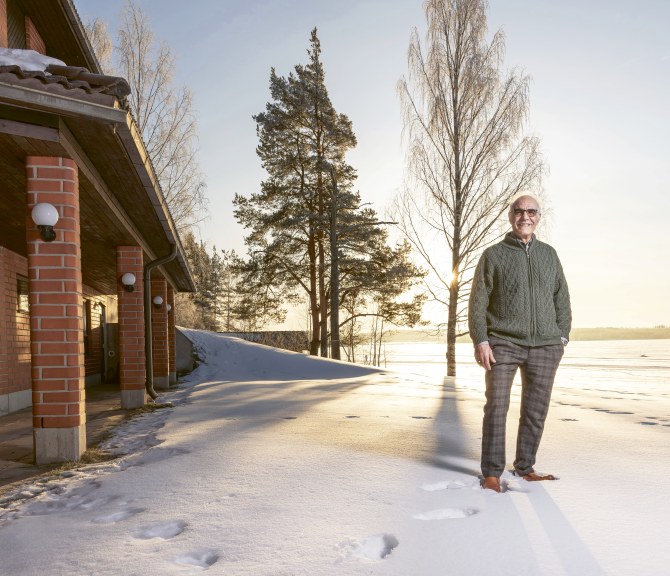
(45,217)
(169,307)
(128,281)
(158,301)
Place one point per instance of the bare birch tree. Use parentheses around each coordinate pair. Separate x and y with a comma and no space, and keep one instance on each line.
(101,43)
(467,154)
(163,112)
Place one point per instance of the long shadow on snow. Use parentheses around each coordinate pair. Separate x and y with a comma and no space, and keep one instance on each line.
(451,451)
(452,454)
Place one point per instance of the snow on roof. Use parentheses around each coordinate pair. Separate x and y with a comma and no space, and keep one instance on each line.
(27,59)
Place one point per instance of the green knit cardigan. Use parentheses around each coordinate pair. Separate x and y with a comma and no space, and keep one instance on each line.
(519,295)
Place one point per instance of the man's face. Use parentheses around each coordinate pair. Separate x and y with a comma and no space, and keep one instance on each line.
(522,220)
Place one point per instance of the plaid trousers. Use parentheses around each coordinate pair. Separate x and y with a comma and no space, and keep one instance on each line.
(538,367)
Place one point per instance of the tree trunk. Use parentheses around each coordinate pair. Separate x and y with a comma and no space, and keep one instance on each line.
(334,280)
(454,288)
(313,304)
(451,329)
(323,301)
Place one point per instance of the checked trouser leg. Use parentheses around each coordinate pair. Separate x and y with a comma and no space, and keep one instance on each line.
(538,368)
(537,381)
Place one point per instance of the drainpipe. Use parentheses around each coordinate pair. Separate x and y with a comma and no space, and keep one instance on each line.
(148,341)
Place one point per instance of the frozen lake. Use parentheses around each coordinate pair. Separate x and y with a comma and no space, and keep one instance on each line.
(625,377)
(620,363)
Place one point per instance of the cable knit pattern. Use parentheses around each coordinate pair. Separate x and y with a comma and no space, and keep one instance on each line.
(520,295)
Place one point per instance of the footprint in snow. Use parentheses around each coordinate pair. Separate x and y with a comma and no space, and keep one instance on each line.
(59,500)
(119,516)
(649,423)
(446,514)
(445,485)
(156,454)
(200,558)
(373,548)
(164,530)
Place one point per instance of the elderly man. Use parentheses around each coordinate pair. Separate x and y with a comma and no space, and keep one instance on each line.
(519,318)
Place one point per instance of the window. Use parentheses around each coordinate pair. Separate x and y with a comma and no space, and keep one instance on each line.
(22,303)
(87,325)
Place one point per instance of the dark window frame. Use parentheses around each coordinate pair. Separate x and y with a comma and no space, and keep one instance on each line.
(22,298)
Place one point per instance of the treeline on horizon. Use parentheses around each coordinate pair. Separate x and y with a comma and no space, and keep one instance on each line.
(577,334)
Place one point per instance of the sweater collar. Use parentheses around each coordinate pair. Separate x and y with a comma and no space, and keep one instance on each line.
(511,240)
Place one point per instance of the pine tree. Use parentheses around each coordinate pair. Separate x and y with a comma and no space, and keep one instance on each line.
(310,234)
(301,138)
(202,308)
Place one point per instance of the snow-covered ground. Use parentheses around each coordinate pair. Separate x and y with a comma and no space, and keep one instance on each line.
(274,463)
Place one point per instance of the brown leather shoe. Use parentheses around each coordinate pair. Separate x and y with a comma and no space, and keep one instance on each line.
(491,483)
(534,477)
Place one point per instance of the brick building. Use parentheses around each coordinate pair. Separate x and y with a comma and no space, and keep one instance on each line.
(69,145)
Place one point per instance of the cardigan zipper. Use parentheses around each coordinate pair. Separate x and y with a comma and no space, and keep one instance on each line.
(532,297)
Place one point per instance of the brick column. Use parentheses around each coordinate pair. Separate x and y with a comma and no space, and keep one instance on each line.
(56,313)
(172,341)
(132,360)
(159,331)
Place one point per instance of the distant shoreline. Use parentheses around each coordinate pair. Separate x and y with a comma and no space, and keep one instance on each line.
(660,333)
(577,334)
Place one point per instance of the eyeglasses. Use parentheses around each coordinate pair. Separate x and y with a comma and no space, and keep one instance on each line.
(532,212)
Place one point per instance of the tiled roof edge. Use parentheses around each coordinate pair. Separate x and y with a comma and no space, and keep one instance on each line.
(73,77)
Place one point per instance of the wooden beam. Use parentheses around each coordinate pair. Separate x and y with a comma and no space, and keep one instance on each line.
(107,198)
(29,130)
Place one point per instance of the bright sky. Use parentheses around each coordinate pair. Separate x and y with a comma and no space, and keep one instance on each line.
(601,83)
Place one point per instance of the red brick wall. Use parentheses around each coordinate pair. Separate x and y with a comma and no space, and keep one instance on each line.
(172,343)
(56,323)
(14,326)
(33,39)
(132,372)
(159,324)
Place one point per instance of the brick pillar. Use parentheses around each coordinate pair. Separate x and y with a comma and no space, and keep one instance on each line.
(56,314)
(172,340)
(159,331)
(132,360)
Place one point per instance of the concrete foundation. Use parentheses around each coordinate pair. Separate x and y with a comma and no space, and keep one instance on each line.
(59,444)
(161,382)
(133,399)
(15,401)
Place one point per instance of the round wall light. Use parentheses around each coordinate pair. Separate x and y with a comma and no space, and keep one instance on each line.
(45,217)
(128,281)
